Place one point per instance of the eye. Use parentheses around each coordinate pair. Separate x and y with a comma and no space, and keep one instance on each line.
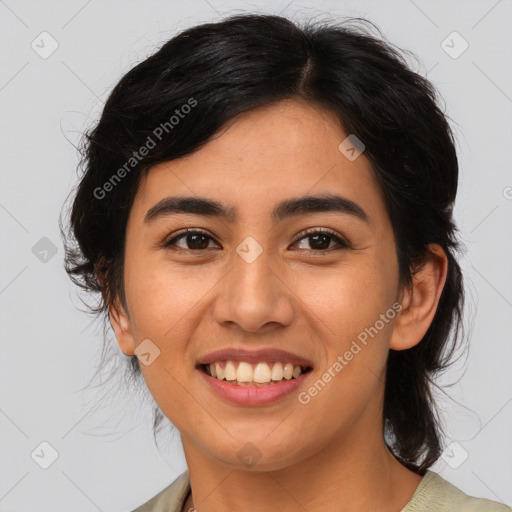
(320,239)
(195,240)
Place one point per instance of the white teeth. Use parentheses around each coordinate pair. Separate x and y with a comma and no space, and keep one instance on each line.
(277,371)
(230,371)
(262,373)
(244,372)
(259,374)
(219,371)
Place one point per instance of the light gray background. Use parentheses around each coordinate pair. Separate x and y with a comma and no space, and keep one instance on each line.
(106,456)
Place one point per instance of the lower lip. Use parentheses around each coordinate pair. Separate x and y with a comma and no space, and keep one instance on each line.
(253,395)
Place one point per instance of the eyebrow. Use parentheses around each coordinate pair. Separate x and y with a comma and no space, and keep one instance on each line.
(283,210)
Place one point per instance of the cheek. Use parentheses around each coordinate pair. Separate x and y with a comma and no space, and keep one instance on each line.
(162,309)
(347,304)
(349,298)
(348,309)
(161,298)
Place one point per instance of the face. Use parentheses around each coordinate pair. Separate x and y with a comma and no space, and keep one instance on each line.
(308,280)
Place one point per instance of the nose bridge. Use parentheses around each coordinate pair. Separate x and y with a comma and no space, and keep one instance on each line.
(251,266)
(252,295)
(252,280)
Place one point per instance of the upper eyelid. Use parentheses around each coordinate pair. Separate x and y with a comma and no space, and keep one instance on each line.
(311,231)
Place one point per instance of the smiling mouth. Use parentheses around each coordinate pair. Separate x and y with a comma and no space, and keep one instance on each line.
(240,373)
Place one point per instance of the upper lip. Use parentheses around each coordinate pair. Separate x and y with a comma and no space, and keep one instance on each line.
(254,356)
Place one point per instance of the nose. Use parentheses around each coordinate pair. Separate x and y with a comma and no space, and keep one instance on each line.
(254,295)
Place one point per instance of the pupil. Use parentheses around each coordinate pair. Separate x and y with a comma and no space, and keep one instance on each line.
(323,238)
(197,244)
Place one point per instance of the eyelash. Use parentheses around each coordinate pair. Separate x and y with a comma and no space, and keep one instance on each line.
(305,234)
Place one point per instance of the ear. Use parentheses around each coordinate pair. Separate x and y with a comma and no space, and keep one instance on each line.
(120,322)
(420,300)
(119,319)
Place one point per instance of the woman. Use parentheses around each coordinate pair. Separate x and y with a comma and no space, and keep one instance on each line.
(267,212)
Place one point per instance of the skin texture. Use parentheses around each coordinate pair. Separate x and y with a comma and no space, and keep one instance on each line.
(191,301)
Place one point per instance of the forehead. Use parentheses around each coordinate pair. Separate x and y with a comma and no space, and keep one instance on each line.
(288,149)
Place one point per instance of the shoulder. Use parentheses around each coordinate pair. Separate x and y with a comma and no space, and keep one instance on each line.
(170,499)
(436,493)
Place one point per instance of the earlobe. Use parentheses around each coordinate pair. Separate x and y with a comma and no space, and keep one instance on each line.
(118,317)
(122,328)
(420,299)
